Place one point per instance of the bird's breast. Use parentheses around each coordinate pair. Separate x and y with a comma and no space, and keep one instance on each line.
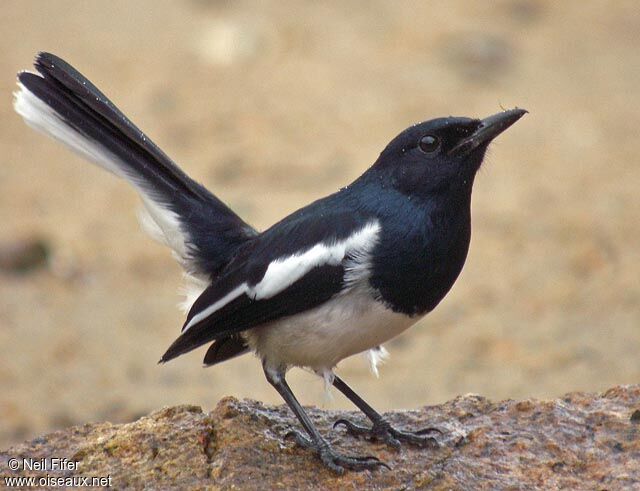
(415,267)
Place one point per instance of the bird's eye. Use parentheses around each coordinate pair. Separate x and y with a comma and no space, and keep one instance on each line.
(429,143)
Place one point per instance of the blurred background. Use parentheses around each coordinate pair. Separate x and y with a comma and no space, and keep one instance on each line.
(274,104)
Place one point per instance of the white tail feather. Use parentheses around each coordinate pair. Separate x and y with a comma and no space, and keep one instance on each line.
(159,222)
(191,289)
(41,117)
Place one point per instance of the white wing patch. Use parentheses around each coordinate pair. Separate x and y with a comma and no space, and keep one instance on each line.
(284,272)
(203,314)
(161,223)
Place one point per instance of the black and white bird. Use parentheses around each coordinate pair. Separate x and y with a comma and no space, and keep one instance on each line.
(338,277)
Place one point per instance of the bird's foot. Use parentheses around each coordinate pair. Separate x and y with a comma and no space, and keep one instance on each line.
(383,431)
(333,460)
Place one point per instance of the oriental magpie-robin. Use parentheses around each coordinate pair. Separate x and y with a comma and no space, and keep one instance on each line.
(337,277)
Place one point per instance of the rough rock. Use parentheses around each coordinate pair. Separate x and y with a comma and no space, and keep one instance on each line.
(580,441)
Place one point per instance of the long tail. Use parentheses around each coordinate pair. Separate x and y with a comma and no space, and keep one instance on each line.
(60,102)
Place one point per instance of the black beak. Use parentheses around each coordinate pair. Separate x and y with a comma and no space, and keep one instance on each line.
(489,128)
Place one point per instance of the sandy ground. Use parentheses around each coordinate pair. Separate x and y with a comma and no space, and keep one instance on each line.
(272,106)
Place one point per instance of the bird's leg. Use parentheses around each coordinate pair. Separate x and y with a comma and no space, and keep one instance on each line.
(381,429)
(333,460)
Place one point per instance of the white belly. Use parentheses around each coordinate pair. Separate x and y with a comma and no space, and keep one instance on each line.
(319,338)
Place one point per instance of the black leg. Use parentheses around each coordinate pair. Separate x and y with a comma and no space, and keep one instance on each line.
(315,442)
(381,429)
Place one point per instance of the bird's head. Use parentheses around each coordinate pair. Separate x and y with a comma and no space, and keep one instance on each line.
(441,155)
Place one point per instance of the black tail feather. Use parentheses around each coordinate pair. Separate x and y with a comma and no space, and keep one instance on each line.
(62,78)
(71,109)
(225,349)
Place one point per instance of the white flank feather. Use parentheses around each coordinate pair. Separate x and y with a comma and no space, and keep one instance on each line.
(328,376)
(376,356)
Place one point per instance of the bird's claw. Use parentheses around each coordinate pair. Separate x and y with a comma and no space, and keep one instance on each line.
(383,431)
(299,438)
(333,460)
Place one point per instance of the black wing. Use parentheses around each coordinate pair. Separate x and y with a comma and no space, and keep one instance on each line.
(225,309)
